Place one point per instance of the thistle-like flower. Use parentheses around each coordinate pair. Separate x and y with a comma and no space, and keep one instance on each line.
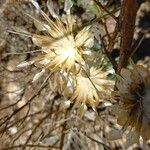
(134,100)
(90,88)
(64,52)
(61,44)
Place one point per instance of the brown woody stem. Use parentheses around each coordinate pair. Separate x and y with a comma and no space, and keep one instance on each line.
(127,19)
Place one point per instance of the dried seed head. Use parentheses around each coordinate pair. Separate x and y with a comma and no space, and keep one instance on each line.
(62,47)
(63,53)
(134,99)
(89,89)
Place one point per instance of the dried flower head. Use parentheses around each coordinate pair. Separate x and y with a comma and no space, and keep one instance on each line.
(64,52)
(61,44)
(134,100)
(89,88)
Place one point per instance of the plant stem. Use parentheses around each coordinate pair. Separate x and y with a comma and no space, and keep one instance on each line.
(127,20)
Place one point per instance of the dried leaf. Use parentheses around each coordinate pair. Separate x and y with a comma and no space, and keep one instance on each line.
(40,40)
(67,6)
(83,36)
(50,140)
(41,26)
(21,31)
(65,105)
(114,134)
(74,141)
(38,75)
(89,43)
(122,118)
(25,64)
(51,9)
(36,4)
(132,138)
(126,74)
